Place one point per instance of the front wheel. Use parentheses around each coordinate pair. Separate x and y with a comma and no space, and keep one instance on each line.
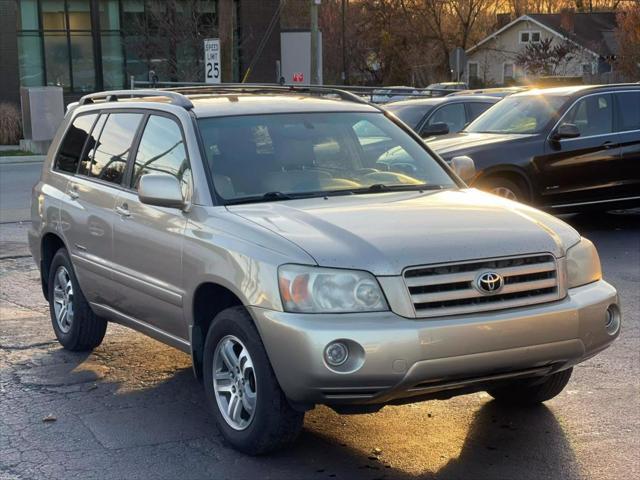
(503,187)
(532,392)
(251,411)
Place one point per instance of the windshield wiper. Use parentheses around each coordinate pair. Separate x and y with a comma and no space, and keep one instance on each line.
(266,197)
(381,187)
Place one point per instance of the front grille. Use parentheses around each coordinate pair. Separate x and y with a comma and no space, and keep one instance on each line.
(451,289)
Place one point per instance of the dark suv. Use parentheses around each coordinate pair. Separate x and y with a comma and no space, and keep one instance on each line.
(560,148)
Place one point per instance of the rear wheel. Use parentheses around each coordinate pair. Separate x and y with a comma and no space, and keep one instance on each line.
(251,411)
(74,323)
(532,392)
(503,187)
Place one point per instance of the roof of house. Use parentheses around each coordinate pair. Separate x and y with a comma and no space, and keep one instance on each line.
(592,31)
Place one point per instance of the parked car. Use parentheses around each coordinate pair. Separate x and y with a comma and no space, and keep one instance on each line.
(563,148)
(439,116)
(492,92)
(449,86)
(249,228)
(392,94)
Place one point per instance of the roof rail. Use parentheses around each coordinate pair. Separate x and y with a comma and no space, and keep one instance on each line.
(176,98)
(266,88)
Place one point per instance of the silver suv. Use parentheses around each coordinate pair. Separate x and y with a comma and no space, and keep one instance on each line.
(265,232)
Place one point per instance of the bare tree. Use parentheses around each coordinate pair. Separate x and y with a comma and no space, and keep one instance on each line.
(169,36)
(628,37)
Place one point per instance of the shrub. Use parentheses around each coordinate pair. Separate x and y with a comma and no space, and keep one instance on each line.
(10,124)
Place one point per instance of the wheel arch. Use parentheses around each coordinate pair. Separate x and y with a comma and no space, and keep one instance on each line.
(49,245)
(511,172)
(209,299)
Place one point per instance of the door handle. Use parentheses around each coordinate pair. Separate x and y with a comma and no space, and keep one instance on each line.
(123,210)
(608,145)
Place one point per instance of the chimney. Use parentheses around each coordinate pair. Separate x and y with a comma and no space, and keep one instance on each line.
(502,19)
(567,19)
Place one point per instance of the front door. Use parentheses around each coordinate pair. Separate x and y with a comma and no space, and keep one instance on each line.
(576,170)
(148,240)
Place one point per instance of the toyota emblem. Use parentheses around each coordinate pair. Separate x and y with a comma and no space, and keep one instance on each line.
(490,282)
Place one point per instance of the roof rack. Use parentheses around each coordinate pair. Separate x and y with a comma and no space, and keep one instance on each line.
(266,88)
(176,98)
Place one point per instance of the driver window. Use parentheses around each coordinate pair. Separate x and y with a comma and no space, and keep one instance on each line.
(592,115)
(453,115)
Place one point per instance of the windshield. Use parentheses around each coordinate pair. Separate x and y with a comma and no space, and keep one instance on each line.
(526,114)
(281,156)
(409,114)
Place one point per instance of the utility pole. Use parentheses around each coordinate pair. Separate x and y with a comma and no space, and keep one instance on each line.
(345,69)
(315,43)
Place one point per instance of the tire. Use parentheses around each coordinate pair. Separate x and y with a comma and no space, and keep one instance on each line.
(528,392)
(273,423)
(503,187)
(81,329)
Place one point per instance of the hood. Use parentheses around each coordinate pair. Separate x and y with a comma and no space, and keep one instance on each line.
(466,141)
(385,233)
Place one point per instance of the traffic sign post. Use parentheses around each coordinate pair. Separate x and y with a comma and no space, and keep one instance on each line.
(212,60)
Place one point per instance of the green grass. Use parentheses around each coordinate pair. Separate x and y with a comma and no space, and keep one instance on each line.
(14,153)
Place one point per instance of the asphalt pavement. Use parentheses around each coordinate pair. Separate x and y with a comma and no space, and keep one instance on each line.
(133,410)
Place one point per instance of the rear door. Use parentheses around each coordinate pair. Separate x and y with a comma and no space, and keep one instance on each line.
(578,170)
(148,240)
(88,214)
(627,125)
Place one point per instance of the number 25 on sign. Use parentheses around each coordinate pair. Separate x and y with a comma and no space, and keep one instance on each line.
(212,60)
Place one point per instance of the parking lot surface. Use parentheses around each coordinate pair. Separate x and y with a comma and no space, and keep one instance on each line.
(132,408)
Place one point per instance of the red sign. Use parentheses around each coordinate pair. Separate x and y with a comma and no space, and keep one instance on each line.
(298,77)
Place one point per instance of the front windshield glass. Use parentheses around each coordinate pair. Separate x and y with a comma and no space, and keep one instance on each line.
(409,114)
(280,156)
(525,114)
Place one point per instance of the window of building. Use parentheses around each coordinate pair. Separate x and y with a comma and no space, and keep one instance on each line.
(112,150)
(527,36)
(508,72)
(586,69)
(68,156)
(162,150)
(472,70)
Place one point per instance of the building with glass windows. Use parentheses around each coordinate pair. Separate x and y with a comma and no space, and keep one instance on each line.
(91,45)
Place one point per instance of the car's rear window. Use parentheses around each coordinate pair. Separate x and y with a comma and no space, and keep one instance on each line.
(74,140)
(409,114)
(301,153)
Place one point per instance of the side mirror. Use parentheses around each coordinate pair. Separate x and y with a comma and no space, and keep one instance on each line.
(434,129)
(161,190)
(464,167)
(566,130)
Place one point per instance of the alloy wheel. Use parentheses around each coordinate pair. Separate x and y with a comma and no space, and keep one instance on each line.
(63,299)
(234,382)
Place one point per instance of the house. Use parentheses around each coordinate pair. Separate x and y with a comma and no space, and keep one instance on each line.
(589,36)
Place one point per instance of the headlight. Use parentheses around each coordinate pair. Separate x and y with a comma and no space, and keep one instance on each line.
(583,264)
(321,290)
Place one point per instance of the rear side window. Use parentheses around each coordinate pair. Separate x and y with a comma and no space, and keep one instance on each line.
(628,111)
(162,150)
(476,109)
(74,140)
(112,150)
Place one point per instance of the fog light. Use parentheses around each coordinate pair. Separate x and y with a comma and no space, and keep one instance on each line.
(612,320)
(336,354)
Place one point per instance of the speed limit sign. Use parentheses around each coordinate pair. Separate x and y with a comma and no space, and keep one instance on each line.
(212,60)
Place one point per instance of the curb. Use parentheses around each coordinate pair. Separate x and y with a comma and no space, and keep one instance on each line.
(6,160)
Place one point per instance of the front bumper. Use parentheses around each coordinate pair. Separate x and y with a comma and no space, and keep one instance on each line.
(395,357)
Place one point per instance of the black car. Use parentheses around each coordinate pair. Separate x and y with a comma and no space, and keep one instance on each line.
(560,148)
(439,116)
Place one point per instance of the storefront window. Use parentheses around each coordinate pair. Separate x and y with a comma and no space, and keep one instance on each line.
(56,52)
(30,59)
(84,74)
(112,61)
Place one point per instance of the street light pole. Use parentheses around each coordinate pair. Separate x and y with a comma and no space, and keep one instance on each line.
(345,74)
(315,43)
